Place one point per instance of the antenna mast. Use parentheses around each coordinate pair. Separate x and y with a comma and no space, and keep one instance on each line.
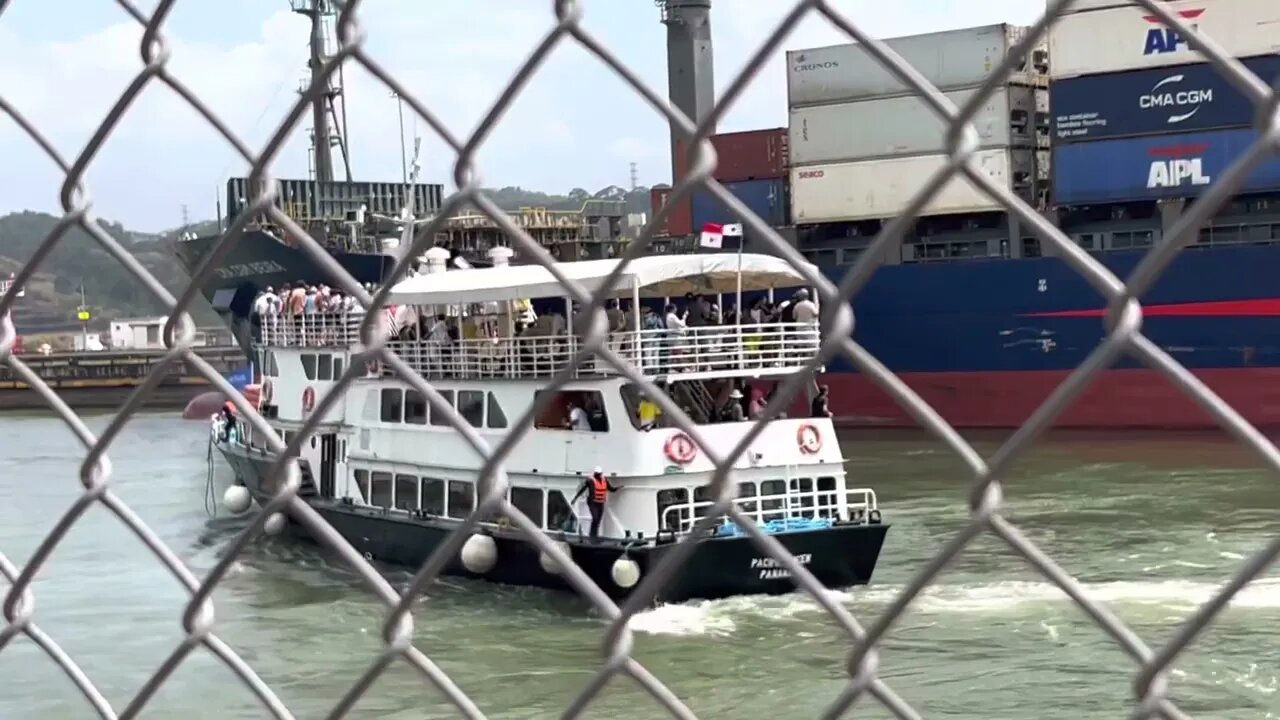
(324,135)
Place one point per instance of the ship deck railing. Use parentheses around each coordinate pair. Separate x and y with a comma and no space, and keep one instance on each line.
(856,506)
(693,353)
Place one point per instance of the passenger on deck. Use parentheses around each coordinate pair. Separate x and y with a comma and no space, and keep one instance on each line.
(818,408)
(648,412)
(732,410)
(577,418)
(597,489)
(228,419)
(805,310)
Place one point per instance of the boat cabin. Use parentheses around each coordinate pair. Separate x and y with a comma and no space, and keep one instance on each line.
(488,341)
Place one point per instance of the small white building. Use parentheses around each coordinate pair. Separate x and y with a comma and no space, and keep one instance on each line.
(143,334)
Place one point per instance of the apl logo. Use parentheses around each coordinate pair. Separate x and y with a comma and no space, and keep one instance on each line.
(1182,103)
(1179,166)
(1163,40)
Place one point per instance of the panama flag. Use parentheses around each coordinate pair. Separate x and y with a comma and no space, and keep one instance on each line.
(712,236)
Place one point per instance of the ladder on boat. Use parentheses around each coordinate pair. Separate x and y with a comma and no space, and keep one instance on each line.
(696,396)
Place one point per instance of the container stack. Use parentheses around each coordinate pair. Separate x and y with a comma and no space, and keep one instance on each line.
(752,165)
(1139,115)
(862,143)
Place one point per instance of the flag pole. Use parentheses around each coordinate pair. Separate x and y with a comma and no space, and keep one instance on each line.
(742,241)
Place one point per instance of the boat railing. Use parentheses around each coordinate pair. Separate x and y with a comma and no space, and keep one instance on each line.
(761,348)
(784,511)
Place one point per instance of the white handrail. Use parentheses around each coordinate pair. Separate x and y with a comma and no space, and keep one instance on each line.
(858,503)
(655,352)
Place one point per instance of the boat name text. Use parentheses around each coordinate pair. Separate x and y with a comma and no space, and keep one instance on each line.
(239,270)
(771,569)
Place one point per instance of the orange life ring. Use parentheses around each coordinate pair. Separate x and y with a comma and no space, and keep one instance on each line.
(308,399)
(680,448)
(809,439)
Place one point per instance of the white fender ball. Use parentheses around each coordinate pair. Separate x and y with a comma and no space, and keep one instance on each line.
(549,564)
(626,572)
(237,498)
(479,554)
(274,524)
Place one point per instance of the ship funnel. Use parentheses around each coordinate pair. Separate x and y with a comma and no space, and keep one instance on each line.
(436,259)
(500,256)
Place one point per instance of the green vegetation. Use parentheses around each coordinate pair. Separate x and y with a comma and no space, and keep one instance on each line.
(111,291)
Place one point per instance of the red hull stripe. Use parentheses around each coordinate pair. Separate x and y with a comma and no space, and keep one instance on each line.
(1267,307)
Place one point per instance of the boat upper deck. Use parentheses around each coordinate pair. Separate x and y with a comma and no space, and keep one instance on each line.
(471,324)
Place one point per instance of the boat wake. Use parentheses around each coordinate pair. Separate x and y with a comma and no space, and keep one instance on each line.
(722,617)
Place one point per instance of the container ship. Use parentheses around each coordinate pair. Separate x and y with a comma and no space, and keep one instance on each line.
(1111,129)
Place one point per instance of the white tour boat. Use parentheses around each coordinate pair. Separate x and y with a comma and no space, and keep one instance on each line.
(395,479)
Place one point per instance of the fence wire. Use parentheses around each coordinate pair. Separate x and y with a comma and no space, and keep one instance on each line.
(1123,337)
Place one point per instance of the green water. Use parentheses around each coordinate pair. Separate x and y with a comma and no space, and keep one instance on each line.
(1151,525)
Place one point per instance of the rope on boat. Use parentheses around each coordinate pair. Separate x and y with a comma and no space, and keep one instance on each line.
(210,496)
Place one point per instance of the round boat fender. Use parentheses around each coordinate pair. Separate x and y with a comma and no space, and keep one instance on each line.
(873,517)
(680,448)
(625,572)
(479,554)
(266,393)
(237,499)
(308,399)
(809,439)
(274,524)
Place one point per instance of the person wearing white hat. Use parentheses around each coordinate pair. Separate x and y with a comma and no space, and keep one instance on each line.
(597,488)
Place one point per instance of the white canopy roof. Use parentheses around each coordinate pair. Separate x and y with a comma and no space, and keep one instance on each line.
(657,276)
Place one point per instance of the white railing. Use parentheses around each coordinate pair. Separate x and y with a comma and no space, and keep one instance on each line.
(758,348)
(809,505)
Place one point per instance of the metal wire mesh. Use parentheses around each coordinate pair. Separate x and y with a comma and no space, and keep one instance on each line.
(1124,336)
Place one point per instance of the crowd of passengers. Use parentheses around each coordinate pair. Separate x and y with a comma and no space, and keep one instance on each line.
(687,327)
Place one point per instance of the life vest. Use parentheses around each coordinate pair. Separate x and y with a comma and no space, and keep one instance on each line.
(599,488)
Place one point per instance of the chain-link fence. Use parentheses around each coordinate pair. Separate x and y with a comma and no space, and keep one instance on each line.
(1123,337)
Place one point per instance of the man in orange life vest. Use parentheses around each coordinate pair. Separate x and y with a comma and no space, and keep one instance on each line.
(597,489)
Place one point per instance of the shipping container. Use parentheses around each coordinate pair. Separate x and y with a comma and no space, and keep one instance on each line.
(750,155)
(950,60)
(1154,167)
(881,189)
(905,125)
(766,198)
(1128,38)
(305,200)
(1154,101)
(1086,5)
(678,222)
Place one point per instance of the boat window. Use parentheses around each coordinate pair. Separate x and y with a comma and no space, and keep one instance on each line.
(272,368)
(392,405)
(432,496)
(643,414)
(666,499)
(803,486)
(529,502)
(556,415)
(380,489)
(828,498)
(496,418)
(362,484)
(324,367)
(309,365)
(558,511)
(747,490)
(471,407)
(439,419)
(462,499)
(772,488)
(700,495)
(406,492)
(337,367)
(415,408)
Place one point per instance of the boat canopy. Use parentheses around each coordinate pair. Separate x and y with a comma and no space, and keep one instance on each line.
(656,276)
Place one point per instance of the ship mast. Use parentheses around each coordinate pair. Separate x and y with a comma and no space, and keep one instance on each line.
(327,131)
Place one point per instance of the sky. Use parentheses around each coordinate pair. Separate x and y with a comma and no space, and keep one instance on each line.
(64,63)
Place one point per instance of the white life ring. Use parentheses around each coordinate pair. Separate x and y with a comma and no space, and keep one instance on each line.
(809,439)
